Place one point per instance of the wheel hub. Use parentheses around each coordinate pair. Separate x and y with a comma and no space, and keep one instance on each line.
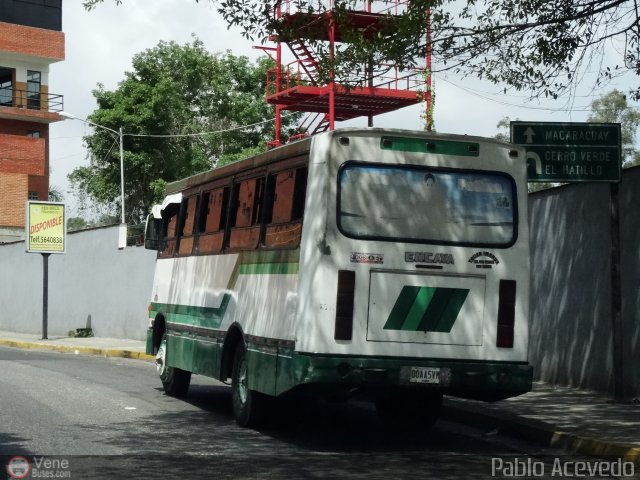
(160,361)
(242,382)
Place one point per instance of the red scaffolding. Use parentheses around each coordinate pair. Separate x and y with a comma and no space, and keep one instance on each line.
(298,85)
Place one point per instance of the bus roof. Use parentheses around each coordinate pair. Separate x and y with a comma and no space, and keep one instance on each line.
(290,150)
(302,147)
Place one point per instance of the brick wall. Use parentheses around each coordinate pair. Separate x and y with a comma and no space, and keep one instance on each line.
(13,195)
(11,127)
(40,185)
(24,168)
(36,42)
(22,155)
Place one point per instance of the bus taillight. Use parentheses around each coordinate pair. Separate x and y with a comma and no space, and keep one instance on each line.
(344,305)
(506,313)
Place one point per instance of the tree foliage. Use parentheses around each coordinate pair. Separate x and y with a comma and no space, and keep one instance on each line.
(613,108)
(504,130)
(55,194)
(541,46)
(77,223)
(173,94)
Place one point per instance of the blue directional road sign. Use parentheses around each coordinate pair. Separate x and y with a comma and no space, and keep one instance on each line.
(570,152)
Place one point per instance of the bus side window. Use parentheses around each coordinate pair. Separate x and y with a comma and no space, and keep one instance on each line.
(283,216)
(245,226)
(187,222)
(212,220)
(169,227)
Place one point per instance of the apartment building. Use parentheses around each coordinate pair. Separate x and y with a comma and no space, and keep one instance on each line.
(31,39)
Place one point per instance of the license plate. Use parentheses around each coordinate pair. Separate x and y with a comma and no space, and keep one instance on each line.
(424,375)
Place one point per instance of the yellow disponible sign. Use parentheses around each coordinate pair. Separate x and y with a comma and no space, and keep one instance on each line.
(45,227)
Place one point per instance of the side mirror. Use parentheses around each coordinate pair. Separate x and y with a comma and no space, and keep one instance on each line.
(153,233)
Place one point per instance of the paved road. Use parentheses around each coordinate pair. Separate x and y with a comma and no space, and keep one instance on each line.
(110,419)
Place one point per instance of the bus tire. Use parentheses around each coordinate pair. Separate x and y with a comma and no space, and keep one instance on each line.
(248,405)
(174,380)
(409,409)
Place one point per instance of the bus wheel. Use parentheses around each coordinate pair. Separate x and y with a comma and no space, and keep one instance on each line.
(417,409)
(248,405)
(175,381)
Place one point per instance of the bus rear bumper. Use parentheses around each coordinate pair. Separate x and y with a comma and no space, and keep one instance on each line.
(479,380)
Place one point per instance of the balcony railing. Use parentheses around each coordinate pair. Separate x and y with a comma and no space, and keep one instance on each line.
(46,102)
(387,77)
(393,7)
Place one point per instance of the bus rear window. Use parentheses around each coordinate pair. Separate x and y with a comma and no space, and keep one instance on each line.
(426,205)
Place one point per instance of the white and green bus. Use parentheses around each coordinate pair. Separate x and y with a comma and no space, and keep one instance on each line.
(388,264)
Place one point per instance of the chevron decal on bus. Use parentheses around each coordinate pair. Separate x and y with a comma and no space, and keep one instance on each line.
(427,309)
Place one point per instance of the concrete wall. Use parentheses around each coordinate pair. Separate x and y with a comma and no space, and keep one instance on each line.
(92,281)
(570,336)
(630,273)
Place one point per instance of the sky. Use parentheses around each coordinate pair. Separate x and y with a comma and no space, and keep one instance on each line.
(101,43)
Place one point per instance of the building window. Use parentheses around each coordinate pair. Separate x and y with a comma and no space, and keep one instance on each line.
(246,200)
(212,219)
(284,208)
(33,89)
(6,87)
(33,195)
(33,133)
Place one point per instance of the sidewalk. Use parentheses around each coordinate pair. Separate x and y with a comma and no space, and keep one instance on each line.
(104,347)
(580,421)
(576,420)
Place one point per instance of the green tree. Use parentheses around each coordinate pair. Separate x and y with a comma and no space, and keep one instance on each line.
(173,94)
(613,108)
(55,194)
(77,223)
(504,130)
(545,47)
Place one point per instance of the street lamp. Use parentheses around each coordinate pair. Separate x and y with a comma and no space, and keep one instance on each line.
(122,234)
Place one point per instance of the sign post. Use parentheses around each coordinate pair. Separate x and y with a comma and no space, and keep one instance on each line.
(578,153)
(45,234)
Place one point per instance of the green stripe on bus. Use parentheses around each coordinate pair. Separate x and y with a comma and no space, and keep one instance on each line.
(414,317)
(427,309)
(401,308)
(269,268)
(270,256)
(265,262)
(435,146)
(210,317)
(455,298)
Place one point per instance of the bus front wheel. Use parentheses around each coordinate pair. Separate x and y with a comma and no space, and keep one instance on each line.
(174,380)
(248,405)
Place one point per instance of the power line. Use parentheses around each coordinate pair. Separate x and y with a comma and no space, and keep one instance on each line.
(502,102)
(528,107)
(67,156)
(201,134)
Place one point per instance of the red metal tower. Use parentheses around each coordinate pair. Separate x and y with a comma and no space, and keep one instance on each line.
(299,86)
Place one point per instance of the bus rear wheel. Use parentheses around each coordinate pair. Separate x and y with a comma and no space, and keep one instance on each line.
(415,409)
(174,380)
(248,405)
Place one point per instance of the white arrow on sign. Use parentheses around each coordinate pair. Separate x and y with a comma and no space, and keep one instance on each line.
(533,159)
(529,133)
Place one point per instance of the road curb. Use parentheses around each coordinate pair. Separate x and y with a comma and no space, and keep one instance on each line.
(538,431)
(100,352)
